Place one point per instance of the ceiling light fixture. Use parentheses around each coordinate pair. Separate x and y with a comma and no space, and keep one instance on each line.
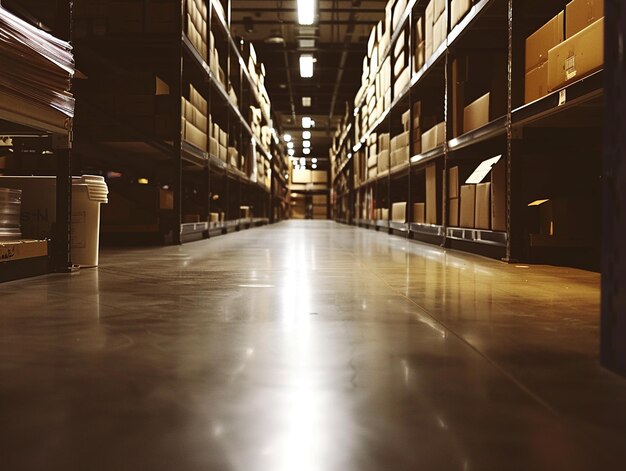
(291,152)
(307,122)
(287,137)
(306,151)
(306,134)
(306,143)
(306,12)
(306,66)
(306,101)
(302,161)
(314,160)
(314,166)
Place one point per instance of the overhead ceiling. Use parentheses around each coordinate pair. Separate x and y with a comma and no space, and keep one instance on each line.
(339,43)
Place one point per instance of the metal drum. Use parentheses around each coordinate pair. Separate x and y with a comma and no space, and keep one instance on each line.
(10,207)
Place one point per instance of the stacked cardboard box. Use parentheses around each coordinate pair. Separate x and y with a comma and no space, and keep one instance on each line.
(476,114)
(319,206)
(419,54)
(538,45)
(196,26)
(383,152)
(194,119)
(401,69)
(436,20)
(582,52)
(400,151)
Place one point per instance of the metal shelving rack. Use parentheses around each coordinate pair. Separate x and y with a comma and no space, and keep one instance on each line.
(195,176)
(506,132)
(57,256)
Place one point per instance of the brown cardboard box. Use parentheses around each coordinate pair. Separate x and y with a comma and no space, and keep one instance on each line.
(372,161)
(319,200)
(536,83)
(383,142)
(195,136)
(541,41)
(399,64)
(581,13)
(580,55)
(458,9)
(402,82)
(453,212)
(384,214)
(482,213)
(468,205)
(399,47)
(383,161)
(419,213)
(398,9)
(439,8)
(214,217)
(498,196)
(453,182)
(398,212)
(434,137)
(406,120)
(430,23)
(431,194)
(476,114)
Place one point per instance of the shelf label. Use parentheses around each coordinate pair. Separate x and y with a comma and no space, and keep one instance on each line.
(562,97)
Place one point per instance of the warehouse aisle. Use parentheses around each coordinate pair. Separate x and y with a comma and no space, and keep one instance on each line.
(306,345)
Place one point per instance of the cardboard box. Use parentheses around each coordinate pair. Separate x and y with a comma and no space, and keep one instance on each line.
(536,83)
(458,9)
(399,64)
(482,212)
(384,214)
(399,48)
(319,176)
(453,182)
(214,217)
(453,212)
(195,136)
(431,194)
(372,161)
(440,31)
(581,13)
(398,212)
(439,8)
(468,206)
(398,9)
(383,161)
(419,213)
(406,120)
(434,137)
(541,41)
(498,196)
(383,142)
(476,114)
(580,55)
(429,26)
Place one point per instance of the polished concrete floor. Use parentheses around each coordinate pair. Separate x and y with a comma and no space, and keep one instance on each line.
(306,346)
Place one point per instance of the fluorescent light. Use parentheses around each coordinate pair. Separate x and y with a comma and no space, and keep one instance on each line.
(306,66)
(306,12)
(314,166)
(290,145)
(306,134)
(306,151)
(306,143)
(314,160)
(291,152)
(307,122)
(306,43)
(287,137)
(306,101)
